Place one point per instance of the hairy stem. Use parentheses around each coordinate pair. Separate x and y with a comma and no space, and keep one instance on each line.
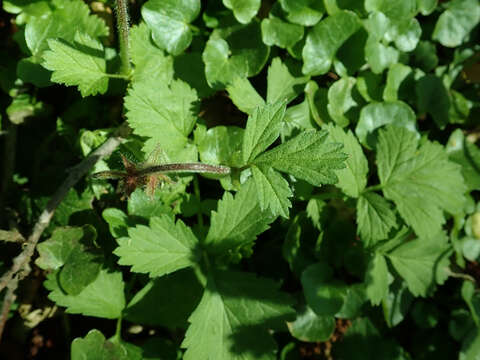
(186,167)
(123,27)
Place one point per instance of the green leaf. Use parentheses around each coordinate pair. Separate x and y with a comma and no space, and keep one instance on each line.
(421,182)
(325,39)
(433,98)
(237,221)
(149,60)
(140,204)
(417,260)
(221,145)
(425,56)
(377,279)
(236,51)
(243,10)
(370,85)
(160,248)
(103,297)
(165,114)
(117,222)
(461,151)
(282,84)
(375,115)
(190,68)
(340,100)
(307,156)
(375,218)
(397,303)
(406,34)
(303,12)
(394,9)
(426,7)
(94,346)
(63,23)
(273,191)
(395,79)
(169,20)
(244,95)
(310,327)
(81,63)
(280,33)
(379,56)
(353,178)
(233,317)
(166,301)
(263,128)
(456,22)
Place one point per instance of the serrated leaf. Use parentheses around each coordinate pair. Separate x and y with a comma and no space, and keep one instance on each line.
(282,84)
(243,10)
(377,279)
(235,51)
(237,221)
(160,248)
(417,260)
(263,128)
(375,218)
(168,20)
(340,100)
(307,156)
(273,191)
(63,23)
(456,22)
(149,60)
(244,95)
(280,33)
(165,114)
(375,115)
(81,63)
(421,182)
(353,178)
(94,346)
(325,38)
(303,12)
(104,297)
(233,316)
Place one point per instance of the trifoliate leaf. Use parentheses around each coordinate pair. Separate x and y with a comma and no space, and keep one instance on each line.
(421,182)
(353,178)
(273,190)
(307,156)
(235,51)
(243,10)
(377,279)
(417,260)
(263,128)
(280,33)
(63,23)
(456,22)
(233,316)
(160,248)
(375,218)
(165,114)
(325,38)
(149,60)
(375,115)
(169,20)
(81,63)
(282,84)
(237,221)
(340,100)
(303,12)
(244,95)
(104,297)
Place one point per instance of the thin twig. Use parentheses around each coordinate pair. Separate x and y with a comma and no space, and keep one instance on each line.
(20,268)
(7,303)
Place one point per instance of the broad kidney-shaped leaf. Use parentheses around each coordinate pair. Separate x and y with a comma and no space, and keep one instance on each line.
(161,248)
(221,145)
(236,51)
(233,318)
(325,39)
(168,20)
(353,178)
(243,10)
(303,12)
(340,100)
(103,298)
(421,181)
(394,9)
(375,115)
(307,156)
(456,22)
(433,97)
(280,33)
(310,327)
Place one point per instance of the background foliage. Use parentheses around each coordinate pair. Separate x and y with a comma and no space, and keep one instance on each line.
(348,227)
